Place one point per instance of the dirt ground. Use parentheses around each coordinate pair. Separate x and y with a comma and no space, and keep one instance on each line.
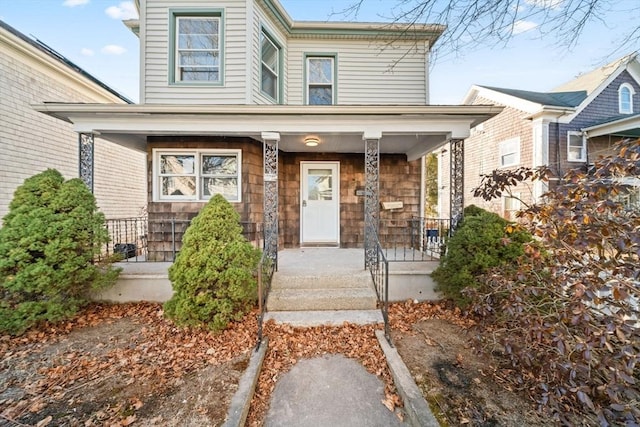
(457,382)
(126,365)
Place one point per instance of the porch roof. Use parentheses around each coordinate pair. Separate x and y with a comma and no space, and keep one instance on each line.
(410,129)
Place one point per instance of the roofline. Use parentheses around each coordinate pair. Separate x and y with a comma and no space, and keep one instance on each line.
(66,109)
(613,127)
(53,54)
(429,32)
(606,82)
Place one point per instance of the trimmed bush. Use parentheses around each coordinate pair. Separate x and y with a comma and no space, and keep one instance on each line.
(48,243)
(213,275)
(482,241)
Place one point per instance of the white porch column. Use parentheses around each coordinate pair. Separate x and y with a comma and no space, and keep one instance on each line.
(371,194)
(85,156)
(270,173)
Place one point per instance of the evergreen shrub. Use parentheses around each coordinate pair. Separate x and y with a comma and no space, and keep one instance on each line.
(482,241)
(213,275)
(49,242)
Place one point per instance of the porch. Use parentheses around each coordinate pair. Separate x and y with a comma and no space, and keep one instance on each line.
(308,281)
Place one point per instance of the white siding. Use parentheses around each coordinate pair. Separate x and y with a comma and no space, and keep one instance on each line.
(260,19)
(369,72)
(156,51)
(31,142)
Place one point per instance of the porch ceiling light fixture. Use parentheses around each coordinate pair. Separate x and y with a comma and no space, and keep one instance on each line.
(311,141)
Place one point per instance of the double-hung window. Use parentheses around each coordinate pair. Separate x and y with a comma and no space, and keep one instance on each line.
(270,71)
(576,147)
(196,48)
(320,80)
(196,175)
(510,152)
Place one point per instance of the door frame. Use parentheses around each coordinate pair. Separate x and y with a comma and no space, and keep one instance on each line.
(336,186)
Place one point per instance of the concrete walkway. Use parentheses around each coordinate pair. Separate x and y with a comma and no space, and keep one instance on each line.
(330,391)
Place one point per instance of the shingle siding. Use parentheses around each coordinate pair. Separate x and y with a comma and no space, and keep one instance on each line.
(31,142)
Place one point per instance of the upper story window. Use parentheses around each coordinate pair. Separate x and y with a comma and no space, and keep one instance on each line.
(196,48)
(625,98)
(320,80)
(576,147)
(510,152)
(270,70)
(196,175)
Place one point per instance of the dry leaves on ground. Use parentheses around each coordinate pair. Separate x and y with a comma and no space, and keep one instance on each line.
(288,345)
(47,367)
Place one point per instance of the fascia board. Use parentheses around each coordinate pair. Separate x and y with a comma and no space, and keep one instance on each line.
(508,100)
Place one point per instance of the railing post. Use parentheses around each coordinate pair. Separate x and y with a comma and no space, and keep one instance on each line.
(371,195)
(173,238)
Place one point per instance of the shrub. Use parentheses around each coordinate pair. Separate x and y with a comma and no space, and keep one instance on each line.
(212,276)
(482,241)
(568,324)
(48,243)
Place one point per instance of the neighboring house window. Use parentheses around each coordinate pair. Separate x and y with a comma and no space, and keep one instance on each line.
(196,47)
(576,147)
(196,175)
(320,80)
(625,98)
(270,71)
(510,152)
(511,205)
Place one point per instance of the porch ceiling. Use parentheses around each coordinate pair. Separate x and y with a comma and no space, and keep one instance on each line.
(411,130)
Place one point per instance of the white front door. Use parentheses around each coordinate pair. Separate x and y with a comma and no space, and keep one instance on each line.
(320,203)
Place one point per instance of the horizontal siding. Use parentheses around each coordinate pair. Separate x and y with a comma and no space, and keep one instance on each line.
(368,73)
(31,142)
(156,62)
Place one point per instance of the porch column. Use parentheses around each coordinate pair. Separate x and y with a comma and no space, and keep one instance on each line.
(457,182)
(270,156)
(371,195)
(85,156)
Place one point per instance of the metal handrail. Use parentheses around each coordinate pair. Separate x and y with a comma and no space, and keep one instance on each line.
(413,239)
(379,269)
(266,268)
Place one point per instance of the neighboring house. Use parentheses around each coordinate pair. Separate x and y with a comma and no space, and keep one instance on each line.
(30,142)
(303,126)
(568,127)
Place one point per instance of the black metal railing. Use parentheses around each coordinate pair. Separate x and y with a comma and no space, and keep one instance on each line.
(139,239)
(379,269)
(266,268)
(414,239)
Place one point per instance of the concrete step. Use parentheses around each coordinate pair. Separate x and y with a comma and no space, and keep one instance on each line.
(362,298)
(325,317)
(332,281)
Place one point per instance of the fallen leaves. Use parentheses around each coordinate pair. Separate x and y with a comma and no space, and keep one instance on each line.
(111,350)
(288,345)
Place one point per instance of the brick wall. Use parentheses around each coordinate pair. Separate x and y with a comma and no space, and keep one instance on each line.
(482,153)
(32,142)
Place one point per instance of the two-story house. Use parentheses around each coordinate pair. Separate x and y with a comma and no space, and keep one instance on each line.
(31,72)
(568,127)
(304,126)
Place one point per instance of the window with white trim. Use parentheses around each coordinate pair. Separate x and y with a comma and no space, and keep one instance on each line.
(196,48)
(196,175)
(270,70)
(320,80)
(576,147)
(625,98)
(510,152)
(511,205)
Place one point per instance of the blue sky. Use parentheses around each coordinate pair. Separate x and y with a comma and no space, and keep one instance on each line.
(91,34)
